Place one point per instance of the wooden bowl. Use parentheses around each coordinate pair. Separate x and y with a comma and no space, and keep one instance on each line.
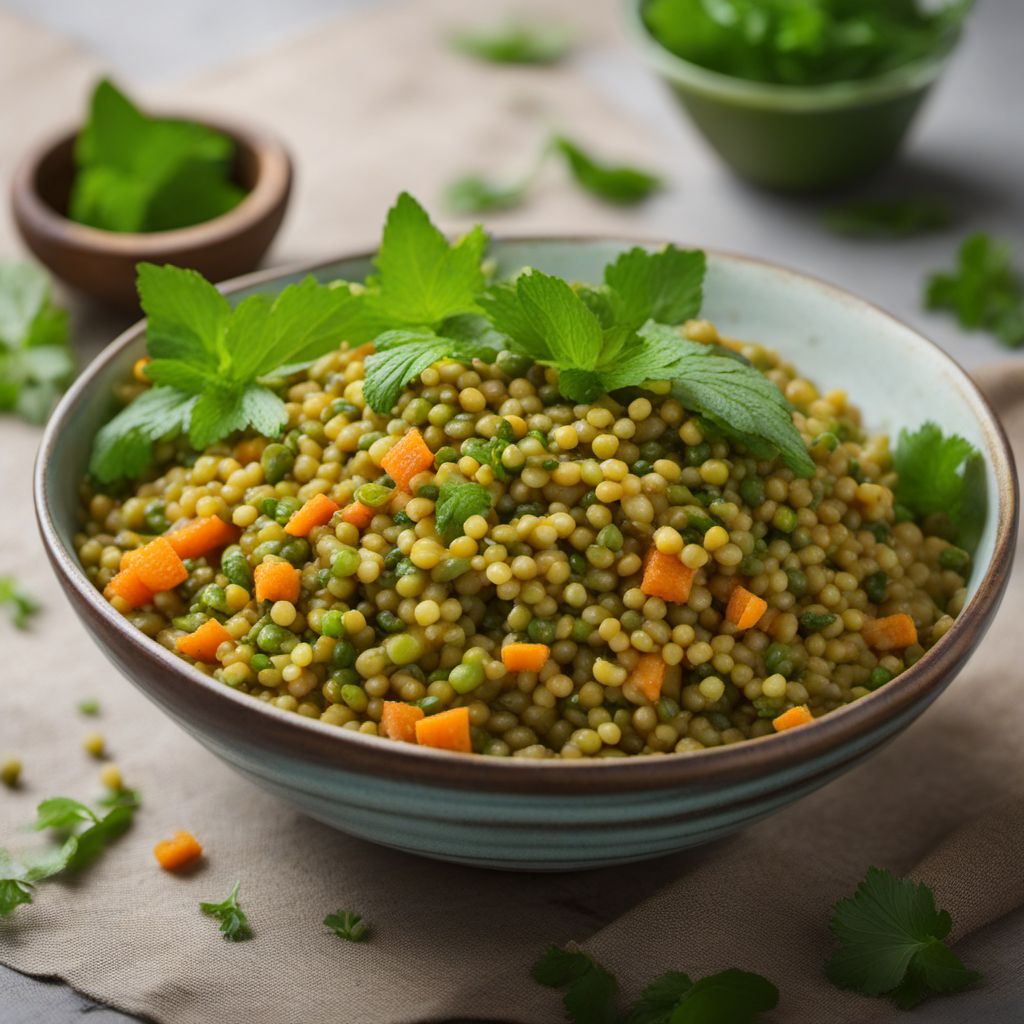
(102,263)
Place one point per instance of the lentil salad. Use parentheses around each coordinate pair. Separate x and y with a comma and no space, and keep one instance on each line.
(486,565)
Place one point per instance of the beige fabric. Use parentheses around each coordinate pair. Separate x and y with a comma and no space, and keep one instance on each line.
(945,801)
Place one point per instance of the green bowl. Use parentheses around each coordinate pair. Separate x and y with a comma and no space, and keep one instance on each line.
(796,138)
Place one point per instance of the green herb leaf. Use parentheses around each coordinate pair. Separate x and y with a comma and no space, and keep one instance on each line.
(137,173)
(13,893)
(458,501)
(62,812)
(890,936)
(615,184)
(590,990)
(984,292)
(666,286)
(347,925)
(729,997)
(659,1000)
(36,363)
(90,706)
(515,43)
(95,839)
(474,193)
(571,334)
(234,925)
(943,477)
(19,604)
(889,218)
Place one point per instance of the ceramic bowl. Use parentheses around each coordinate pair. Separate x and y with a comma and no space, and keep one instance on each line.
(795,138)
(552,815)
(102,263)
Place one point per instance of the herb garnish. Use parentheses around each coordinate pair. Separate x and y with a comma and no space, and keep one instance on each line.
(984,292)
(458,501)
(515,42)
(347,925)
(36,363)
(20,605)
(942,476)
(589,989)
(891,942)
(889,218)
(139,173)
(234,925)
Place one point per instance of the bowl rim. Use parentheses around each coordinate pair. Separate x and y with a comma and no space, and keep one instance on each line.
(775,96)
(331,747)
(273,181)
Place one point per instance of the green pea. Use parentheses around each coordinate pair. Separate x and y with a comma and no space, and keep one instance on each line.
(389,622)
(954,558)
(784,519)
(465,678)
(667,709)
(751,565)
(235,566)
(275,639)
(698,454)
(416,411)
(513,364)
(446,454)
(679,494)
(430,705)
(529,508)
(631,619)
(539,435)
(812,622)
(402,519)
(875,586)
(581,631)
(340,407)
(797,582)
(588,499)
(778,658)
(429,491)
(213,597)
(878,677)
(403,649)
(154,517)
(392,558)
(268,547)
(826,440)
(191,622)
(277,461)
(296,551)
(344,562)
(343,655)
(355,697)
(449,569)
(541,631)
(437,676)
(367,440)
(330,624)
(610,537)
(577,563)
(286,508)
(258,662)
(752,491)
(374,495)
(332,691)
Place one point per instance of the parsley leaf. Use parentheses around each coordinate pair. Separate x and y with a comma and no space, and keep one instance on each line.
(457,501)
(234,925)
(615,184)
(890,936)
(19,877)
(943,477)
(729,997)
(36,363)
(347,925)
(889,218)
(62,812)
(984,292)
(666,286)
(590,990)
(658,1001)
(515,43)
(20,605)
(137,173)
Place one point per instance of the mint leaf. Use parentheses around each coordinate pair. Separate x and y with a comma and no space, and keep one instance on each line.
(889,218)
(225,410)
(570,333)
(665,286)
(615,184)
(590,990)
(729,997)
(457,501)
(944,477)
(501,304)
(62,812)
(347,925)
(234,925)
(95,839)
(890,936)
(658,1001)
(515,43)
(474,193)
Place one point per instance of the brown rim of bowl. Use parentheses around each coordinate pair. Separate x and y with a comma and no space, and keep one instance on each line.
(328,745)
(273,178)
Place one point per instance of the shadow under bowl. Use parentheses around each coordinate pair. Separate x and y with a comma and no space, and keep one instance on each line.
(558,815)
(102,263)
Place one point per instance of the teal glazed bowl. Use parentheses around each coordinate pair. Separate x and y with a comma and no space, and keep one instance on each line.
(553,815)
(795,138)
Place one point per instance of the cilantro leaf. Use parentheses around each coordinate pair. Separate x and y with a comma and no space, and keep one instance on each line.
(347,925)
(590,990)
(889,218)
(984,291)
(457,501)
(943,477)
(137,173)
(615,184)
(515,43)
(665,286)
(20,605)
(891,942)
(234,925)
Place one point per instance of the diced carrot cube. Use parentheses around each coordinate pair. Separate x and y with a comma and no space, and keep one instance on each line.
(800,715)
(407,458)
(277,581)
(316,512)
(203,643)
(202,536)
(358,514)
(525,657)
(745,609)
(183,849)
(127,586)
(890,632)
(398,720)
(649,675)
(666,577)
(158,565)
(448,730)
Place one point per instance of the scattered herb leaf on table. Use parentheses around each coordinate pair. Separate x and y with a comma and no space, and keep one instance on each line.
(234,925)
(889,218)
(20,605)
(347,925)
(515,42)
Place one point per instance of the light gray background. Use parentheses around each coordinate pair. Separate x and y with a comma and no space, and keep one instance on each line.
(969,147)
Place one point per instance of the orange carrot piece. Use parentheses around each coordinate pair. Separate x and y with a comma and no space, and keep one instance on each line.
(158,566)
(203,643)
(139,370)
(890,632)
(202,536)
(409,457)
(649,675)
(358,514)
(128,557)
(448,730)
(800,715)
(277,581)
(745,609)
(183,849)
(666,577)
(525,657)
(317,511)
(127,586)
(398,720)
